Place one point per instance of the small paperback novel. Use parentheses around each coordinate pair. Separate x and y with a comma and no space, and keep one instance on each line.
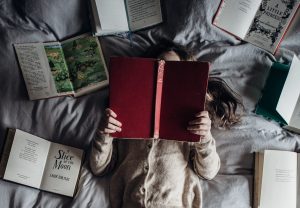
(117,16)
(276,179)
(155,98)
(262,23)
(280,99)
(73,67)
(38,163)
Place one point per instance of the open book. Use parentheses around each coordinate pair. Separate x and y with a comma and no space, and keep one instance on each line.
(38,163)
(276,179)
(72,67)
(281,95)
(155,98)
(262,23)
(116,16)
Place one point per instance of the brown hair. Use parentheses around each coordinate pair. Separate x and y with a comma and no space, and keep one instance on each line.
(222,103)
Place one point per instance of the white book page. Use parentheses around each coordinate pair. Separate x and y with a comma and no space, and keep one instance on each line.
(27,159)
(36,70)
(279,184)
(112,15)
(91,73)
(270,24)
(62,169)
(143,13)
(295,120)
(290,93)
(236,16)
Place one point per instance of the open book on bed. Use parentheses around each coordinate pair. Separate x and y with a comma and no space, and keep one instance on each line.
(262,23)
(38,163)
(280,99)
(72,67)
(276,180)
(116,16)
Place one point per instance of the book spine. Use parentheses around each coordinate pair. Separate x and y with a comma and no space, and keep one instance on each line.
(159,86)
(6,151)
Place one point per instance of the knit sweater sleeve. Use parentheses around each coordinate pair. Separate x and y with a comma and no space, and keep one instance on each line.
(205,159)
(102,155)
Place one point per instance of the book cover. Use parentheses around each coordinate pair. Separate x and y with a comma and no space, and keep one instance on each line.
(134,91)
(272,91)
(280,99)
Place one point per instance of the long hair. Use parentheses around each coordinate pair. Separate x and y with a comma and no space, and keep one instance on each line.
(222,103)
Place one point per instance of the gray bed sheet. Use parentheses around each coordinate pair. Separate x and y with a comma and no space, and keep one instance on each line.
(74,121)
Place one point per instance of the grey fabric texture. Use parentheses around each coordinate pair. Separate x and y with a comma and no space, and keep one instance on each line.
(73,121)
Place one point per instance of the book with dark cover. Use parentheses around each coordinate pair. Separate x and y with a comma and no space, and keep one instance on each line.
(149,109)
(280,99)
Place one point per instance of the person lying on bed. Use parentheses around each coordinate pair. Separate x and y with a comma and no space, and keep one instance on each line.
(161,173)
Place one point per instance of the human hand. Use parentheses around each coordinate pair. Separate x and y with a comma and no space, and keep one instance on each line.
(109,124)
(201,125)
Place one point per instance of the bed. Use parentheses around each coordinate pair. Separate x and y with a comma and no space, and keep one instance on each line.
(73,121)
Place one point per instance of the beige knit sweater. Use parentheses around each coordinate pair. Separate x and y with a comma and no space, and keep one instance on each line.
(154,173)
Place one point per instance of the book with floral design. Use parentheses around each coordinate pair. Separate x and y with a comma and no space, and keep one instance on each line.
(262,23)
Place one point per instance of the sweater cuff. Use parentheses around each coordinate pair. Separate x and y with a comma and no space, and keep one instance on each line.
(102,140)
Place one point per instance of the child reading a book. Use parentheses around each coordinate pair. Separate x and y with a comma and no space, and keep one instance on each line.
(163,173)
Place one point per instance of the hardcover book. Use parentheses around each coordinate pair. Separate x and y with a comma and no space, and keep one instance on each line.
(262,23)
(276,179)
(110,17)
(155,98)
(38,163)
(280,99)
(72,67)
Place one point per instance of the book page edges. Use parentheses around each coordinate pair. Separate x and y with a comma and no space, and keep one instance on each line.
(158,95)
(6,151)
(257,178)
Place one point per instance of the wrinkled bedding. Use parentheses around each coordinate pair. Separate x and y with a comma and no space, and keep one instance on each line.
(73,121)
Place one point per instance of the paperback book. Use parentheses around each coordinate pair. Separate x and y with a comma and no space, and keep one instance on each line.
(73,67)
(262,23)
(280,99)
(41,164)
(276,179)
(110,17)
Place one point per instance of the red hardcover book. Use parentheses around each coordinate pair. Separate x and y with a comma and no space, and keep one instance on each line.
(155,98)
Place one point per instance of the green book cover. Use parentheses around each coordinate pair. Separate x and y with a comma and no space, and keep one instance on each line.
(271,92)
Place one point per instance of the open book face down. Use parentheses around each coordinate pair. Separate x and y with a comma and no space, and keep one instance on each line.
(157,98)
(280,99)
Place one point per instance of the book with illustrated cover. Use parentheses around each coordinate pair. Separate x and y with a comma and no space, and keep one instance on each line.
(73,67)
(155,98)
(276,179)
(280,99)
(262,23)
(111,17)
(41,164)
